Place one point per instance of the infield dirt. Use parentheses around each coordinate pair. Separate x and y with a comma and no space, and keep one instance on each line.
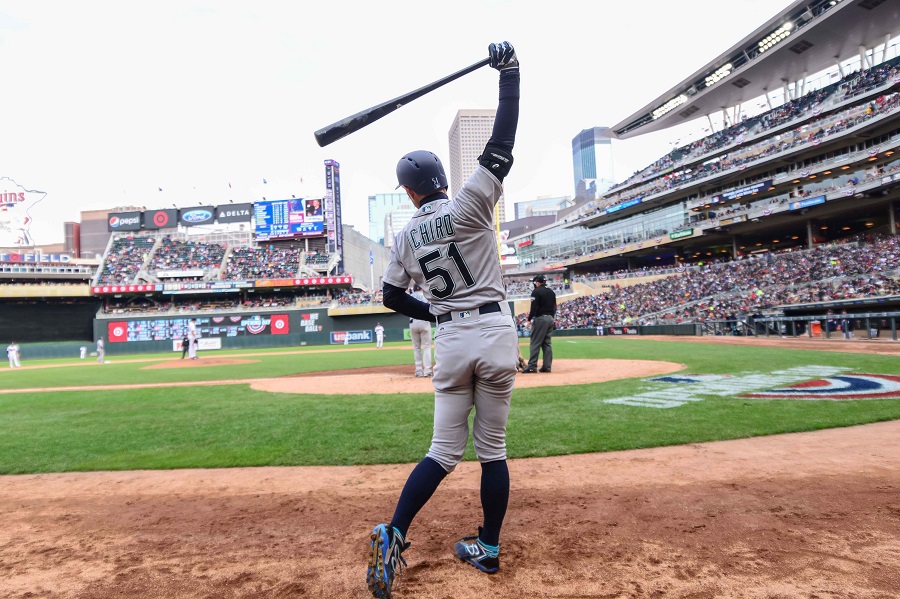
(802,515)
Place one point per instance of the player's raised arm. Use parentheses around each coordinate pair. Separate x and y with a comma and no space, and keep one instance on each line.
(497,156)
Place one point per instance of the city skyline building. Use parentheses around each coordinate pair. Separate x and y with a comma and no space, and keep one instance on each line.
(541,206)
(382,204)
(592,162)
(469,133)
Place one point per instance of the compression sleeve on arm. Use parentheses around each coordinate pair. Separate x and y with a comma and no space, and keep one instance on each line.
(504,133)
(396,299)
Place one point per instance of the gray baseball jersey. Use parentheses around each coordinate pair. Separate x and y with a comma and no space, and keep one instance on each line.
(449,248)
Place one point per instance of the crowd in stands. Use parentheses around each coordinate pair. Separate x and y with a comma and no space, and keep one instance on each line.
(177,254)
(148,306)
(353,298)
(675,164)
(124,260)
(263,263)
(863,268)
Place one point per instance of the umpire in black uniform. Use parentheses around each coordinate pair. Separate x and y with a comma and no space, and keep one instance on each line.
(543,312)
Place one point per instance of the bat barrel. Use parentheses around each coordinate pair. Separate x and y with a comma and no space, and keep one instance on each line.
(344,127)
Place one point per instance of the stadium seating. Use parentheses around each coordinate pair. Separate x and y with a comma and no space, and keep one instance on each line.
(856,269)
(124,259)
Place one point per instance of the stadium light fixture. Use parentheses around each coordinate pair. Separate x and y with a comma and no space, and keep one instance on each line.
(845,228)
(827,173)
(775,37)
(719,74)
(795,237)
(870,224)
(845,167)
(669,106)
(889,153)
(795,181)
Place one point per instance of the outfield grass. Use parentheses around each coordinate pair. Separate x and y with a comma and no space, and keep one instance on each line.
(232,425)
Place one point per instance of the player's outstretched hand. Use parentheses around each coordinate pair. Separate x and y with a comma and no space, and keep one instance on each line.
(503,56)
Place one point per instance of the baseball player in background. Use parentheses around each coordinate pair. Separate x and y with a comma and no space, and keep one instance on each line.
(379,335)
(542,317)
(450,250)
(82,352)
(193,339)
(420,332)
(101,353)
(12,352)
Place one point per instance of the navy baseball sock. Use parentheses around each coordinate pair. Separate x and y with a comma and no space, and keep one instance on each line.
(494,499)
(419,487)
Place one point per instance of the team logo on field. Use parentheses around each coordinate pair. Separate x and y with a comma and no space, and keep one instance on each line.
(837,388)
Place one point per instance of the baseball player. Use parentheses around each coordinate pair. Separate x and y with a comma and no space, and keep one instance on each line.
(185,344)
(420,331)
(542,314)
(82,351)
(101,353)
(449,249)
(193,339)
(379,335)
(12,352)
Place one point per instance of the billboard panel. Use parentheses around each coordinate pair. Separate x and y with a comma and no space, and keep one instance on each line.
(123,221)
(234,213)
(161,219)
(200,215)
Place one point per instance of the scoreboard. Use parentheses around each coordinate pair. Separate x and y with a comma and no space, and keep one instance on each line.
(284,219)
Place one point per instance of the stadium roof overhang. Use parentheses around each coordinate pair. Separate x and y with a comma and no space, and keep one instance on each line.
(822,33)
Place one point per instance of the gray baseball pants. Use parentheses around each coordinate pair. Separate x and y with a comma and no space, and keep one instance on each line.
(475,368)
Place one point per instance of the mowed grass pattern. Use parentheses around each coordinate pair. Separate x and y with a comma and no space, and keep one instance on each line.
(232,425)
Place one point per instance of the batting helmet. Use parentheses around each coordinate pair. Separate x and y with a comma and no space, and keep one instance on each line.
(422,172)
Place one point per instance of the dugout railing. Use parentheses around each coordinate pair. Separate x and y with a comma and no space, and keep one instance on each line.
(868,326)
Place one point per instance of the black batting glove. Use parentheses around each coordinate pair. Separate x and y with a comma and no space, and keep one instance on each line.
(503,56)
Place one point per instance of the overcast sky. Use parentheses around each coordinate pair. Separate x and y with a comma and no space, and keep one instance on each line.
(104,103)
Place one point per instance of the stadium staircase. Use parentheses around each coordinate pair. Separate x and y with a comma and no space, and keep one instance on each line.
(219,274)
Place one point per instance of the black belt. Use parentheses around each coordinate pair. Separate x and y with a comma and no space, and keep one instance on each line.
(485,309)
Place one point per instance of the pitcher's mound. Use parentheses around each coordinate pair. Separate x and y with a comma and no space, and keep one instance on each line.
(386,380)
(198,363)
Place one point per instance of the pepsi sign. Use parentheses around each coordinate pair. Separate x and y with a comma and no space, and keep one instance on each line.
(124,221)
(201,215)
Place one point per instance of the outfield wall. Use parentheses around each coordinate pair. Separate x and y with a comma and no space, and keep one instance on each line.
(250,329)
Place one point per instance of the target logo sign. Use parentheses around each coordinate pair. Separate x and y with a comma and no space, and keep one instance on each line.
(280,324)
(117,332)
(160,219)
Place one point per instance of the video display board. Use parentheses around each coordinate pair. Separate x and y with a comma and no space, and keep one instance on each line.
(284,219)
(164,329)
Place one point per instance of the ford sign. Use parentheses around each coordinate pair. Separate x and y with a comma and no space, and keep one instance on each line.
(196,216)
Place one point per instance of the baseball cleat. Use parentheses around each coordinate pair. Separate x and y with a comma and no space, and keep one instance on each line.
(385,562)
(529,370)
(545,369)
(484,557)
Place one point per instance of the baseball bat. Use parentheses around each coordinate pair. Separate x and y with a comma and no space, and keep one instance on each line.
(345,127)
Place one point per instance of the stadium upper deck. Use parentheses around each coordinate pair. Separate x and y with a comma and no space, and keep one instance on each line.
(826,154)
(803,39)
